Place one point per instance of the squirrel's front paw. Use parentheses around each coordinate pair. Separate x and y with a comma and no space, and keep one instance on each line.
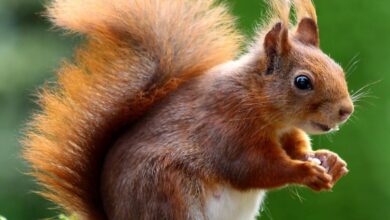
(316,177)
(335,166)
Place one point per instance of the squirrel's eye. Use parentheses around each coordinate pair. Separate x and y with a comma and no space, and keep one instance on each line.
(303,82)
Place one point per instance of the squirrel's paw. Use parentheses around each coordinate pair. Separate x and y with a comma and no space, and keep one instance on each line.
(316,177)
(334,165)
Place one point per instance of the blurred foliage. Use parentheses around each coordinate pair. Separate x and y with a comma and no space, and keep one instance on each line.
(351,31)
(64,217)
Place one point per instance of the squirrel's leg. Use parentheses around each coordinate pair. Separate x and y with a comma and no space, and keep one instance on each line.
(270,167)
(297,145)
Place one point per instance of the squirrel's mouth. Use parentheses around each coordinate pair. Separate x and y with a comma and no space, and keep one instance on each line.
(323,127)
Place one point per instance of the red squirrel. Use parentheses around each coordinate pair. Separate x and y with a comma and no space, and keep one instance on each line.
(160,115)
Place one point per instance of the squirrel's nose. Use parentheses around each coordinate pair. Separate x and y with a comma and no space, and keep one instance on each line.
(345,111)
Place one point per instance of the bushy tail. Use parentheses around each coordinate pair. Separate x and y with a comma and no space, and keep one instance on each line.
(137,51)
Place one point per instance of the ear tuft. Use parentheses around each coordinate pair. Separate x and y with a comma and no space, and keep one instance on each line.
(276,41)
(276,44)
(307,32)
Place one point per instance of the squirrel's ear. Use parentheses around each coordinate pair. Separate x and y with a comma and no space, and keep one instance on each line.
(307,32)
(276,41)
(276,44)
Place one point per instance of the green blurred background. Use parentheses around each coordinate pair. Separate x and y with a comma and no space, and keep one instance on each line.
(352,31)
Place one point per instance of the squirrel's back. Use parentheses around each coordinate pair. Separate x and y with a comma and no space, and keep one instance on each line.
(136,53)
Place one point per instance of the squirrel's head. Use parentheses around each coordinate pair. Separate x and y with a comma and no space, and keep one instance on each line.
(303,86)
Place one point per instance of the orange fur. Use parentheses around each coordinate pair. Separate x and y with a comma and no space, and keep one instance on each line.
(145,122)
(305,8)
(137,52)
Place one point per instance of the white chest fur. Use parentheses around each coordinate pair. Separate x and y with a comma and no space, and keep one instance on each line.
(226,203)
